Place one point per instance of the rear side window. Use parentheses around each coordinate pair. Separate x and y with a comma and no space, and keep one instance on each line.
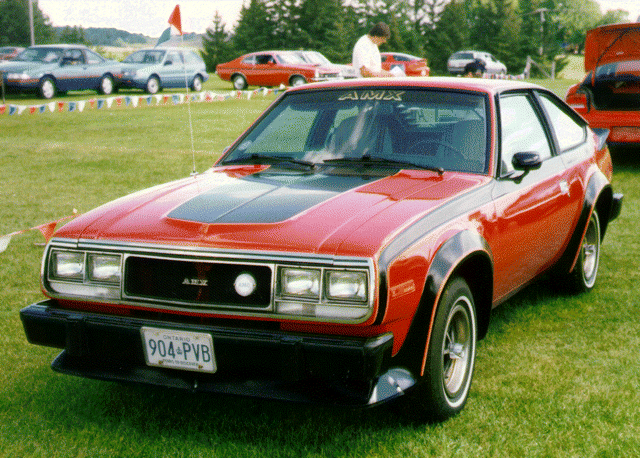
(568,132)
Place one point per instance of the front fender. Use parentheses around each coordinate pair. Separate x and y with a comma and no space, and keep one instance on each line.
(468,255)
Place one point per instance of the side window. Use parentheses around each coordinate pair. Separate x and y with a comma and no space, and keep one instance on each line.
(174,57)
(521,131)
(568,132)
(93,58)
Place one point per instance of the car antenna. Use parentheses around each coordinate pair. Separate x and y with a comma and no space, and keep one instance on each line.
(176,21)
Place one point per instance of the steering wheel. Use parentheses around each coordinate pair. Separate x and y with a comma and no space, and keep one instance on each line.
(425,145)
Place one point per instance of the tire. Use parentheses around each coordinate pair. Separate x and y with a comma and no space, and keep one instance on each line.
(153,85)
(106,85)
(239,83)
(47,88)
(297,81)
(444,388)
(585,272)
(197,84)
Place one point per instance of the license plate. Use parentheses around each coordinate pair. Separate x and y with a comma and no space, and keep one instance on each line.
(190,351)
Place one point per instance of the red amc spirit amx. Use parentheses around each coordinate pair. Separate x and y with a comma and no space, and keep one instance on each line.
(348,247)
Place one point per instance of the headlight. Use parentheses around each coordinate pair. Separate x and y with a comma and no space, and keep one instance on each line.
(103,268)
(302,283)
(67,265)
(17,76)
(346,285)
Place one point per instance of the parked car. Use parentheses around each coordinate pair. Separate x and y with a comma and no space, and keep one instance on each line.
(348,247)
(9,52)
(609,95)
(318,59)
(410,65)
(49,69)
(458,62)
(153,69)
(273,68)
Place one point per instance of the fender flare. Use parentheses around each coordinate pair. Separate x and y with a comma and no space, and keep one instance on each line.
(466,254)
(598,197)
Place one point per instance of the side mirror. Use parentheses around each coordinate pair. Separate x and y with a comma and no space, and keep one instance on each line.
(526,161)
(169,62)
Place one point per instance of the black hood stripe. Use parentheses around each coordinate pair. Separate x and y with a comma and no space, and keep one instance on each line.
(267,197)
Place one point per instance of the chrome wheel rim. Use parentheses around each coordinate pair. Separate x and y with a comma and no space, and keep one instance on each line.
(107,85)
(238,83)
(48,89)
(197,84)
(152,86)
(458,349)
(591,251)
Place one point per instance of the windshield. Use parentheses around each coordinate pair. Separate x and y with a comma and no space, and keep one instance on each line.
(428,128)
(290,58)
(45,55)
(145,57)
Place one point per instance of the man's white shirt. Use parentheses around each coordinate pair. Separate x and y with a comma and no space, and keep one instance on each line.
(366,53)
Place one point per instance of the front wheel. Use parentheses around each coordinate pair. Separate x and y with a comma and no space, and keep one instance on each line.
(444,388)
(106,85)
(297,81)
(153,85)
(47,88)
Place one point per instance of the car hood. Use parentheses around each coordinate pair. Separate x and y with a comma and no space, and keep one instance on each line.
(332,211)
(20,66)
(611,44)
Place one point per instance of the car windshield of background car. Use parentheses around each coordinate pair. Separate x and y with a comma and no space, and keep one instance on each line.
(145,57)
(427,128)
(290,59)
(39,55)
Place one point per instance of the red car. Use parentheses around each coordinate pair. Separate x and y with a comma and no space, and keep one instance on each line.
(609,96)
(273,68)
(411,65)
(348,247)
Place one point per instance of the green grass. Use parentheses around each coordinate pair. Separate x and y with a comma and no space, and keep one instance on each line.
(557,375)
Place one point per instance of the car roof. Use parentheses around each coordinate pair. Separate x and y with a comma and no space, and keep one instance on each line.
(486,85)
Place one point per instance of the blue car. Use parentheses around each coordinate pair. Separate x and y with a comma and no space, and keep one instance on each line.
(51,69)
(155,68)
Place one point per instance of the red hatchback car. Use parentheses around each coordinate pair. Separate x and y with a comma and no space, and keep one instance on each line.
(273,68)
(348,247)
(411,65)
(609,96)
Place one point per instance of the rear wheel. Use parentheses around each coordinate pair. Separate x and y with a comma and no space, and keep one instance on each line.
(586,270)
(47,88)
(197,84)
(239,83)
(444,388)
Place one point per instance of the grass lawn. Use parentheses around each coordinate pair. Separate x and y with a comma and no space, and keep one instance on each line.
(557,375)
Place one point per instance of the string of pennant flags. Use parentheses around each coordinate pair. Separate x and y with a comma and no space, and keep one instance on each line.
(133,101)
(46,229)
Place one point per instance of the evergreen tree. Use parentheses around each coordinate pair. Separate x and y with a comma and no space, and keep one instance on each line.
(217,44)
(14,24)
(253,32)
(450,34)
(73,35)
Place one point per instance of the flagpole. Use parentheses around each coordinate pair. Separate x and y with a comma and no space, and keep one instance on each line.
(186,83)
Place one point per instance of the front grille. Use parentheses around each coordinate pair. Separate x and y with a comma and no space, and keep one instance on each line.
(197,283)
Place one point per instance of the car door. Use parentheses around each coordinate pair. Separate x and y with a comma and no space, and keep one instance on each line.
(533,209)
(94,69)
(71,75)
(267,71)
(172,71)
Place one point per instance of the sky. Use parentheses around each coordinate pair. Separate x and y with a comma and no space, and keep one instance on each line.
(150,17)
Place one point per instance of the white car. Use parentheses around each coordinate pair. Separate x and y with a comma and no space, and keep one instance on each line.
(458,61)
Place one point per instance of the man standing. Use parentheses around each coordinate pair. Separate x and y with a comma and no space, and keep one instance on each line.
(366,55)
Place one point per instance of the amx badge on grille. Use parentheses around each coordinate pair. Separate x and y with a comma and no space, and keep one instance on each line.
(195,282)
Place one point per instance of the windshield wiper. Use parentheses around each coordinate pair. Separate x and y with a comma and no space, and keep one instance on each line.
(266,158)
(375,160)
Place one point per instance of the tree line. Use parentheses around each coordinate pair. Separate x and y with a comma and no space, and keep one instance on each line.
(509,29)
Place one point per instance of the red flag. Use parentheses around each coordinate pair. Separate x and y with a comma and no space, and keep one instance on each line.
(174,19)
(47,229)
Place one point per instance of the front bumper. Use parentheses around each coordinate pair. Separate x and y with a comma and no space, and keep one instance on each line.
(259,363)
